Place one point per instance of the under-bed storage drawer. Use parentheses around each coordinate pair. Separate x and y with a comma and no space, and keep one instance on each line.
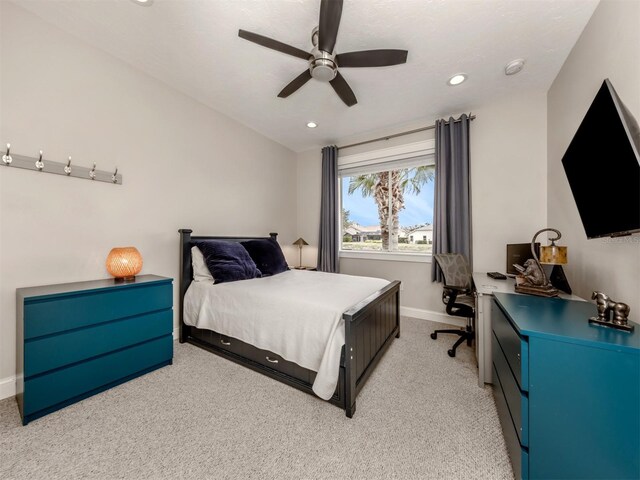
(229,344)
(249,352)
(271,360)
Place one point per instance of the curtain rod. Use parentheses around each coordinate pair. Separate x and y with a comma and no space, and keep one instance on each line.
(388,137)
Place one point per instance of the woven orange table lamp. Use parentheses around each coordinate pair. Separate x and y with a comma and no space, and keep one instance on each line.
(124,263)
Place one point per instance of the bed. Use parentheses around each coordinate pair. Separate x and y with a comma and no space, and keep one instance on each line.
(369,325)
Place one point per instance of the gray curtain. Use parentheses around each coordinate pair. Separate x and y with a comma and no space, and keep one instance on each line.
(452,206)
(328,242)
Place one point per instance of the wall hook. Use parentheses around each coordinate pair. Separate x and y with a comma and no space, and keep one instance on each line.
(114,177)
(92,172)
(39,162)
(67,169)
(7,157)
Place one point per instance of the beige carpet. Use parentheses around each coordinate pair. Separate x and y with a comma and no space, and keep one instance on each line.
(421,415)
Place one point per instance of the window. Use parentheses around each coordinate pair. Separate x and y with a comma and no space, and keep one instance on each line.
(387,205)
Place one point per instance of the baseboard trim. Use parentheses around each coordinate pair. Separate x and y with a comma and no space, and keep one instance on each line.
(7,387)
(432,316)
(176,333)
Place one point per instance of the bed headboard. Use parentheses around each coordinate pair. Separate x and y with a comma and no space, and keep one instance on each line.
(186,271)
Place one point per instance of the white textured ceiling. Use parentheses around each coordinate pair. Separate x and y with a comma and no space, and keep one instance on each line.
(193,46)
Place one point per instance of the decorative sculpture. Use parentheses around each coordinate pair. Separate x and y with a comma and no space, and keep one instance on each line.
(532,279)
(605,306)
(531,272)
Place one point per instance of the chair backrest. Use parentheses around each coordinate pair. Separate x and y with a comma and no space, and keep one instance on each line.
(455,269)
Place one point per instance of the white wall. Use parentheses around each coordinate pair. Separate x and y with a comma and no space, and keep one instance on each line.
(508,172)
(184,165)
(609,47)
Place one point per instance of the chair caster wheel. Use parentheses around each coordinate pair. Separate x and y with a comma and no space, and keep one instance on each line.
(452,353)
(434,335)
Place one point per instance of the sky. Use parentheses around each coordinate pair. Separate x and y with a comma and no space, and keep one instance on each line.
(418,209)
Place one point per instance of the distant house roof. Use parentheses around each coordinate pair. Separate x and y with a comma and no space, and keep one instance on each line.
(356,229)
(425,228)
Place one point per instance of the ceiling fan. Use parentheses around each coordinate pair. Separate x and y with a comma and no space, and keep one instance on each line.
(323,61)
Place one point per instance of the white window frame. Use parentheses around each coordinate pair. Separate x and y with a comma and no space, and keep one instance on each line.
(425,148)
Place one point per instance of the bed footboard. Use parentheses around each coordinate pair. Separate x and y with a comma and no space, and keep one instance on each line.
(370,327)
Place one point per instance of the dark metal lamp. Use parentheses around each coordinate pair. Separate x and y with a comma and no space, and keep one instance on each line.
(300,243)
(533,280)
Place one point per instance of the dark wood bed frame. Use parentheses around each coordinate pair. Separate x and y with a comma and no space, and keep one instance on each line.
(370,327)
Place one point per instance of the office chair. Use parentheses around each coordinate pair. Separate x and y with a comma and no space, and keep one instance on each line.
(457,295)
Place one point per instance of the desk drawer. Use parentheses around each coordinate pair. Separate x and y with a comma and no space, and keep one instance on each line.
(515,348)
(517,402)
(51,352)
(48,316)
(48,390)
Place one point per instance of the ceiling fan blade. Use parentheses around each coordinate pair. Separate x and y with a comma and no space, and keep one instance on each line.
(343,90)
(273,44)
(295,84)
(372,58)
(330,13)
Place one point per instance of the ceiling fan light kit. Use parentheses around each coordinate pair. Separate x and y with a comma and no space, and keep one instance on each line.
(323,61)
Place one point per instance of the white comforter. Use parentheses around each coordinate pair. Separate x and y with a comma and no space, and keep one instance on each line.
(296,314)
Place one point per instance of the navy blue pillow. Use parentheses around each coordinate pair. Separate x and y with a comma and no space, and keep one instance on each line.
(228,261)
(267,255)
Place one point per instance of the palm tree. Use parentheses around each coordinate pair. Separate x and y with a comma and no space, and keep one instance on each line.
(393,185)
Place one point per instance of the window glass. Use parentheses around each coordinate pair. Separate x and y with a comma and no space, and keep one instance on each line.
(388,210)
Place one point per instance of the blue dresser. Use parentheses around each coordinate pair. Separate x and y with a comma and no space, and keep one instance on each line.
(567,393)
(78,339)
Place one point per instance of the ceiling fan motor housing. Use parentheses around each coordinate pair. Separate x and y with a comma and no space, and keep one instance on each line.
(323,66)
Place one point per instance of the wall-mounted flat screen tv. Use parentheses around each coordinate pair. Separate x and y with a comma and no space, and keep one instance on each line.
(602,165)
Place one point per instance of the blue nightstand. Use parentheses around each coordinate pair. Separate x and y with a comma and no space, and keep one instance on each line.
(78,339)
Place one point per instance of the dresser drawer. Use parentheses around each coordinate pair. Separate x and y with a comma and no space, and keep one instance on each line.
(51,315)
(514,347)
(518,455)
(517,402)
(47,391)
(55,351)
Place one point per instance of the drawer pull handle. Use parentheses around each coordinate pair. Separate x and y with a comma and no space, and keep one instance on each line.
(518,356)
(272,360)
(224,343)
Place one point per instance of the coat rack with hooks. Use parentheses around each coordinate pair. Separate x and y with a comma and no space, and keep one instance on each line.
(40,164)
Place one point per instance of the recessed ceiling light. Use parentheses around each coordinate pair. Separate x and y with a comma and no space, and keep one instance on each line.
(457,79)
(144,3)
(312,124)
(514,66)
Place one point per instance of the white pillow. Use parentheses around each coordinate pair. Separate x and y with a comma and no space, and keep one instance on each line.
(201,272)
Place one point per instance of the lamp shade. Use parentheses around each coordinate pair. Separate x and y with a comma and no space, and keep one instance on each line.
(300,242)
(553,255)
(124,262)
